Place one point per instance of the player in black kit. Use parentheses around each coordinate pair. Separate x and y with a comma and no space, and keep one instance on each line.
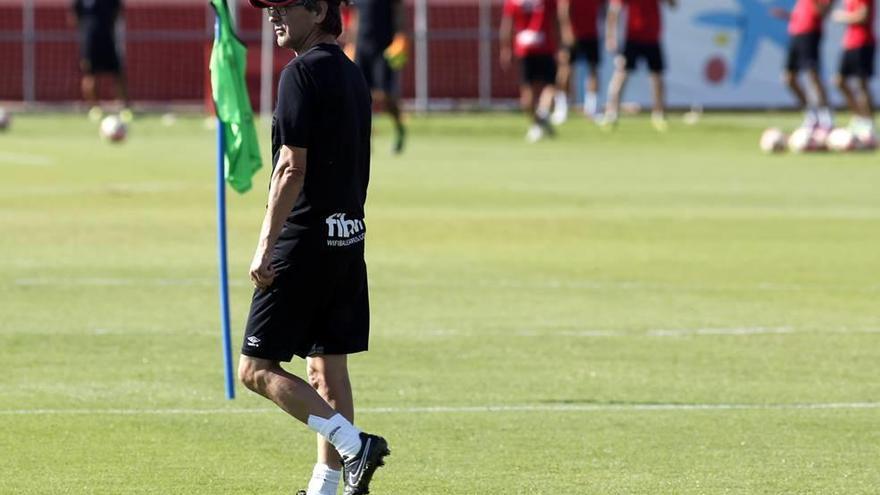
(96,22)
(376,25)
(311,281)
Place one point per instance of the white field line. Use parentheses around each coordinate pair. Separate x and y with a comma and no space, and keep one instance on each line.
(119,282)
(685,332)
(488,284)
(25,159)
(541,408)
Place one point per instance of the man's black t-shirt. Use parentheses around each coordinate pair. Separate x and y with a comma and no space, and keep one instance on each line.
(97,15)
(324,106)
(375,25)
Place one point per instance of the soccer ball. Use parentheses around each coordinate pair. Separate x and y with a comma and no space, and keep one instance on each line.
(820,139)
(842,139)
(113,129)
(803,140)
(865,141)
(5,119)
(772,141)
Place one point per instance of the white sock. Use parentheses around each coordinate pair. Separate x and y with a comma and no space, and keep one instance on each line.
(591,103)
(826,119)
(339,432)
(325,481)
(811,118)
(561,101)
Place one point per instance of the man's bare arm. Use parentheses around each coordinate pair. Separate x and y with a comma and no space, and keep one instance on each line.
(285,187)
(565,28)
(505,33)
(859,16)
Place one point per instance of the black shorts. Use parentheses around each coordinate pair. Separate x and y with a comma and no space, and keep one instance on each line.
(377,72)
(858,62)
(538,69)
(98,52)
(586,49)
(804,53)
(318,304)
(651,52)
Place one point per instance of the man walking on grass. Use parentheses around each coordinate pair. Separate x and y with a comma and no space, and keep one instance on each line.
(311,281)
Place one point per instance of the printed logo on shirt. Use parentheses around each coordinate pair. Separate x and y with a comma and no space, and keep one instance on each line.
(253,341)
(343,232)
(530,37)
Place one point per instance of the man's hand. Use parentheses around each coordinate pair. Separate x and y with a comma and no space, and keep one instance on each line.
(262,273)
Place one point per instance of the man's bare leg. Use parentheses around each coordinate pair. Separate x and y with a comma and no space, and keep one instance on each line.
(591,99)
(290,392)
(658,90)
(865,100)
(825,118)
(848,95)
(329,377)
(794,85)
(562,88)
(615,91)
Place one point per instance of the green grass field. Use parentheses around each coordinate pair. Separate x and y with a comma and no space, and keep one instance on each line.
(625,313)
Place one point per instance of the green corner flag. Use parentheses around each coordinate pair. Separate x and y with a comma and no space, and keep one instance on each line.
(231,98)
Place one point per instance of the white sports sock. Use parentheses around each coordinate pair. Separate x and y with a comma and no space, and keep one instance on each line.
(339,432)
(591,103)
(325,481)
(826,119)
(811,118)
(560,100)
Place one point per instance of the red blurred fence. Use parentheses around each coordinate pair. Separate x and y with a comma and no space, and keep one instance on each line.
(167,45)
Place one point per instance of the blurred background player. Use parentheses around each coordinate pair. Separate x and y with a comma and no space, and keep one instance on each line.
(643,34)
(96,23)
(579,30)
(804,54)
(529,30)
(378,28)
(857,62)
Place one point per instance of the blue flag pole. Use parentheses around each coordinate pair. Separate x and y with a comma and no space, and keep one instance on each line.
(221,246)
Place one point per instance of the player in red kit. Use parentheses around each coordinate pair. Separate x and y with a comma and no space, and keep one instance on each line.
(530,32)
(643,34)
(804,55)
(857,62)
(579,29)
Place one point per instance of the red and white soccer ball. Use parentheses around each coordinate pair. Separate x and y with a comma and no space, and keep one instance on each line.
(5,119)
(804,140)
(866,141)
(842,139)
(113,129)
(773,140)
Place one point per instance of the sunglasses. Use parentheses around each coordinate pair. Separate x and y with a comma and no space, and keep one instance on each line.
(282,11)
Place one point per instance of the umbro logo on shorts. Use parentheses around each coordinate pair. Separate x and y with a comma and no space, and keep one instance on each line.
(344,232)
(253,341)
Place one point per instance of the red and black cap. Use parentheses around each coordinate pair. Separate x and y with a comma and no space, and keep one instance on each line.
(263,4)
